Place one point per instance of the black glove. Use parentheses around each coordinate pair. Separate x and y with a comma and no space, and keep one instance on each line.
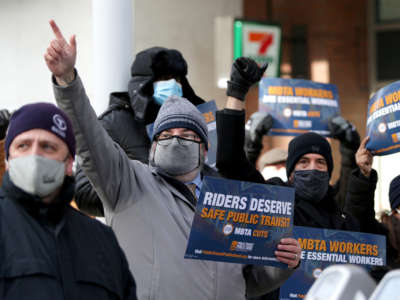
(345,132)
(4,120)
(244,73)
(258,125)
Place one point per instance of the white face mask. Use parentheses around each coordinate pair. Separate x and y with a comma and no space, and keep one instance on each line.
(36,175)
(271,171)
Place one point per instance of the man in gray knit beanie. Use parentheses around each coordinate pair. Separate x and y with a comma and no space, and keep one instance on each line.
(151,207)
(180,140)
(179,112)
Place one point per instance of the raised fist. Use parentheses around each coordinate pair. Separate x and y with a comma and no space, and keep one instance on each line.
(244,73)
(345,132)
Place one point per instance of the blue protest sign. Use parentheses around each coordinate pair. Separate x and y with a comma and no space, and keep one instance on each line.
(208,109)
(240,222)
(324,247)
(298,106)
(383,120)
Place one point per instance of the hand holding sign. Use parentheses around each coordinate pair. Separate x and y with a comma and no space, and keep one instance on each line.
(364,158)
(258,125)
(60,56)
(289,252)
(345,132)
(244,73)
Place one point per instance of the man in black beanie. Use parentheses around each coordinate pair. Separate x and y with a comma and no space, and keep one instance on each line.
(309,164)
(48,249)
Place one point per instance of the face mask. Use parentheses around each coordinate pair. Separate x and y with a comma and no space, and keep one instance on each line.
(36,175)
(271,171)
(311,185)
(166,88)
(176,159)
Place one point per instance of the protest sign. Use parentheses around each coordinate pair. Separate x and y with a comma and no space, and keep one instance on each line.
(383,120)
(208,109)
(324,247)
(298,106)
(240,222)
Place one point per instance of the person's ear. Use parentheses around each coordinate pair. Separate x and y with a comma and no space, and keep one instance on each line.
(204,149)
(68,166)
(291,177)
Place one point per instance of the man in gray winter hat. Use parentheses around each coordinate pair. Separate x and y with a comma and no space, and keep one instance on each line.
(150,206)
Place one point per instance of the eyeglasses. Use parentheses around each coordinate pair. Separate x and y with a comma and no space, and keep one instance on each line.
(165,139)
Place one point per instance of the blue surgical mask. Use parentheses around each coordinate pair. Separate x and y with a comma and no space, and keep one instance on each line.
(166,88)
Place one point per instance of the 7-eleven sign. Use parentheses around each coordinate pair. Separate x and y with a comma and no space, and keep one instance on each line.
(259,41)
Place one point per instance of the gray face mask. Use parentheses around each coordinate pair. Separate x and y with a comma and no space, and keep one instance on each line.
(176,158)
(36,175)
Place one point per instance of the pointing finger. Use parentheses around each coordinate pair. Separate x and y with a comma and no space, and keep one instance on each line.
(364,142)
(72,42)
(56,30)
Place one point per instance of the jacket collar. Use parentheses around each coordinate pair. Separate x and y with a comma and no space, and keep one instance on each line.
(178,188)
(34,206)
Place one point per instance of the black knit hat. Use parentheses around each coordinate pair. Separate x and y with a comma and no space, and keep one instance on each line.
(309,142)
(394,192)
(41,115)
(158,62)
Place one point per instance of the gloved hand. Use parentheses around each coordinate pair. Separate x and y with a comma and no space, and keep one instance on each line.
(345,132)
(4,120)
(244,73)
(258,125)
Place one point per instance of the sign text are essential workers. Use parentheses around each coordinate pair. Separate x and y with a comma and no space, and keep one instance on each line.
(298,106)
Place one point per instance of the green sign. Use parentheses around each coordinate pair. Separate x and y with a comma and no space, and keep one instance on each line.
(259,41)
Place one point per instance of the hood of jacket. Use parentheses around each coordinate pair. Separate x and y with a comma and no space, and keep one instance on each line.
(148,64)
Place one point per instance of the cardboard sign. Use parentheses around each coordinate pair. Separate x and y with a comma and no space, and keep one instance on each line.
(240,222)
(383,120)
(298,106)
(324,247)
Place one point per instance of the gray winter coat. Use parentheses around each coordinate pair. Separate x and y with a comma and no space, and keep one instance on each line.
(152,217)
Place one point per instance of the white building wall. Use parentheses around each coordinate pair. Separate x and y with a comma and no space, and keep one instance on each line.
(24,37)
(185,25)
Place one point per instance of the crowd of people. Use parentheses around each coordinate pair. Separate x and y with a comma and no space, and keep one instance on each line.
(147,186)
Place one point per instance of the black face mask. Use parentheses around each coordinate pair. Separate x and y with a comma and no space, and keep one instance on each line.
(311,185)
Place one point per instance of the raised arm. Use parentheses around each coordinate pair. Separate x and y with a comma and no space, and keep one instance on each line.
(102,160)
(231,157)
(349,139)
(361,189)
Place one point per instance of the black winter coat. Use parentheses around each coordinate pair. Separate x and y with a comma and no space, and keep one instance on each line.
(360,203)
(232,163)
(57,252)
(130,112)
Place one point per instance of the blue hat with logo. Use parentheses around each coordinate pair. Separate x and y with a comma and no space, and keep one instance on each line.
(41,115)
